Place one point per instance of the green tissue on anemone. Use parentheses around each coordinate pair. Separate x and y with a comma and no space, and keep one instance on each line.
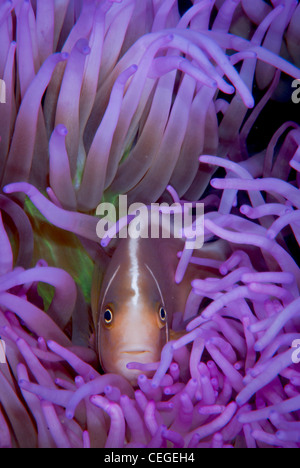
(60,249)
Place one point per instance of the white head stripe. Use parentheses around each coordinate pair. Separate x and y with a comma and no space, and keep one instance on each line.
(156,282)
(108,286)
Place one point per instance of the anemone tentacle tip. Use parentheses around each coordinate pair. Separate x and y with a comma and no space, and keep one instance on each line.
(64,56)
(69,414)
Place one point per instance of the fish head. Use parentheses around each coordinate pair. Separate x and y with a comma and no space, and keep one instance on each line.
(132,323)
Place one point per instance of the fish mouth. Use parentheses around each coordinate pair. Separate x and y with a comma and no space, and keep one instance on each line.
(136,351)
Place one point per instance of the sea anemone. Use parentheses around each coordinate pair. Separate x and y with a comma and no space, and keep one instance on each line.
(109,97)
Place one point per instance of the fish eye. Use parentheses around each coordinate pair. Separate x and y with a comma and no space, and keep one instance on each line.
(108,315)
(162,314)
